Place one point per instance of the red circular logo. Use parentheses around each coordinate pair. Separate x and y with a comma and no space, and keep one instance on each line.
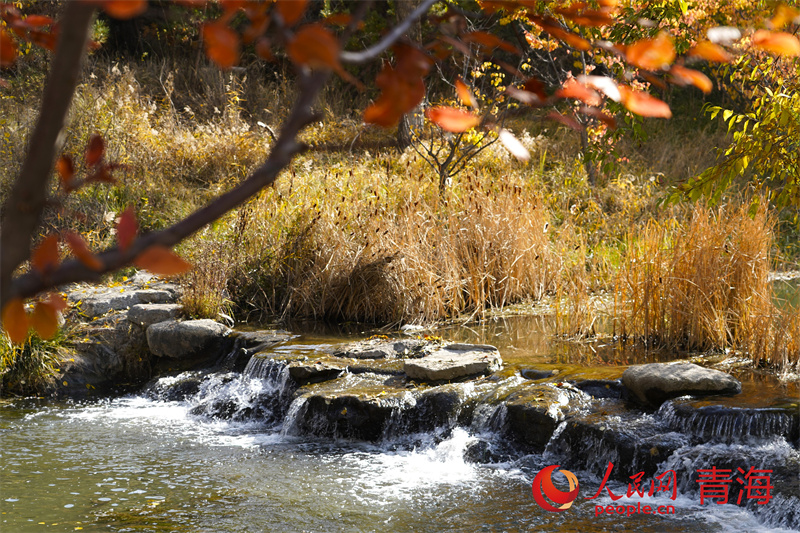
(543,486)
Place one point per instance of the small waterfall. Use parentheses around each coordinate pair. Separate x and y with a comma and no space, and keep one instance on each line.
(728,424)
(782,510)
(291,421)
(259,394)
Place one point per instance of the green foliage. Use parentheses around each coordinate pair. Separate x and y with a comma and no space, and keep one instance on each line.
(31,367)
(765,148)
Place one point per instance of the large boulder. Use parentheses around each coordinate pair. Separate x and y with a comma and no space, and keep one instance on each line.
(187,339)
(655,383)
(146,314)
(454,361)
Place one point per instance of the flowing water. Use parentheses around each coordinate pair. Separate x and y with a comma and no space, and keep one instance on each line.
(149,462)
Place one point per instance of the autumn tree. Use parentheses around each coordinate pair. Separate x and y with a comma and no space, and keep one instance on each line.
(317,47)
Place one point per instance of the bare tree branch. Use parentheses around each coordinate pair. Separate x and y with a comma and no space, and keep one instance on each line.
(373,52)
(23,209)
(113,259)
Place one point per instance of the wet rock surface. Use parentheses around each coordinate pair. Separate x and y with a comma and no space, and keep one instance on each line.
(534,412)
(655,383)
(454,361)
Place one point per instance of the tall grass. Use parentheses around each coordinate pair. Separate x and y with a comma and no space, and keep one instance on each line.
(705,285)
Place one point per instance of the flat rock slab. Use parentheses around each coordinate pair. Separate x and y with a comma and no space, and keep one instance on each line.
(315,371)
(180,340)
(381,348)
(97,301)
(454,361)
(147,314)
(655,383)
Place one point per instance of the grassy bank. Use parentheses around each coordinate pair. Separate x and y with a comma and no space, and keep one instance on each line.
(355,230)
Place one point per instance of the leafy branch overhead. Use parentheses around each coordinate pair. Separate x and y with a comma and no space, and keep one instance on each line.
(319,46)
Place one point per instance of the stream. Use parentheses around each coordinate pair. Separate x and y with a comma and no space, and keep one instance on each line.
(145,462)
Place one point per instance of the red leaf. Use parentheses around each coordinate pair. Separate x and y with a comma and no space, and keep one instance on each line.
(124,9)
(44,257)
(565,120)
(314,46)
(221,43)
(573,89)
(711,52)
(81,251)
(15,320)
(465,95)
(652,54)
(126,228)
(8,49)
(162,261)
(688,76)
(44,320)
(340,19)
(94,150)
(452,119)
(643,104)
(778,42)
(66,171)
(291,10)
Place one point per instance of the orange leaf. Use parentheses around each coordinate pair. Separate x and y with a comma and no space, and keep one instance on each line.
(710,51)
(66,171)
(56,301)
(643,104)
(573,89)
(291,10)
(37,21)
(605,118)
(652,54)
(162,261)
(780,43)
(44,320)
(44,257)
(8,49)
(94,150)
(489,41)
(15,320)
(124,9)
(551,26)
(222,44)
(126,228)
(314,46)
(402,86)
(688,76)
(783,16)
(465,95)
(452,119)
(81,251)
